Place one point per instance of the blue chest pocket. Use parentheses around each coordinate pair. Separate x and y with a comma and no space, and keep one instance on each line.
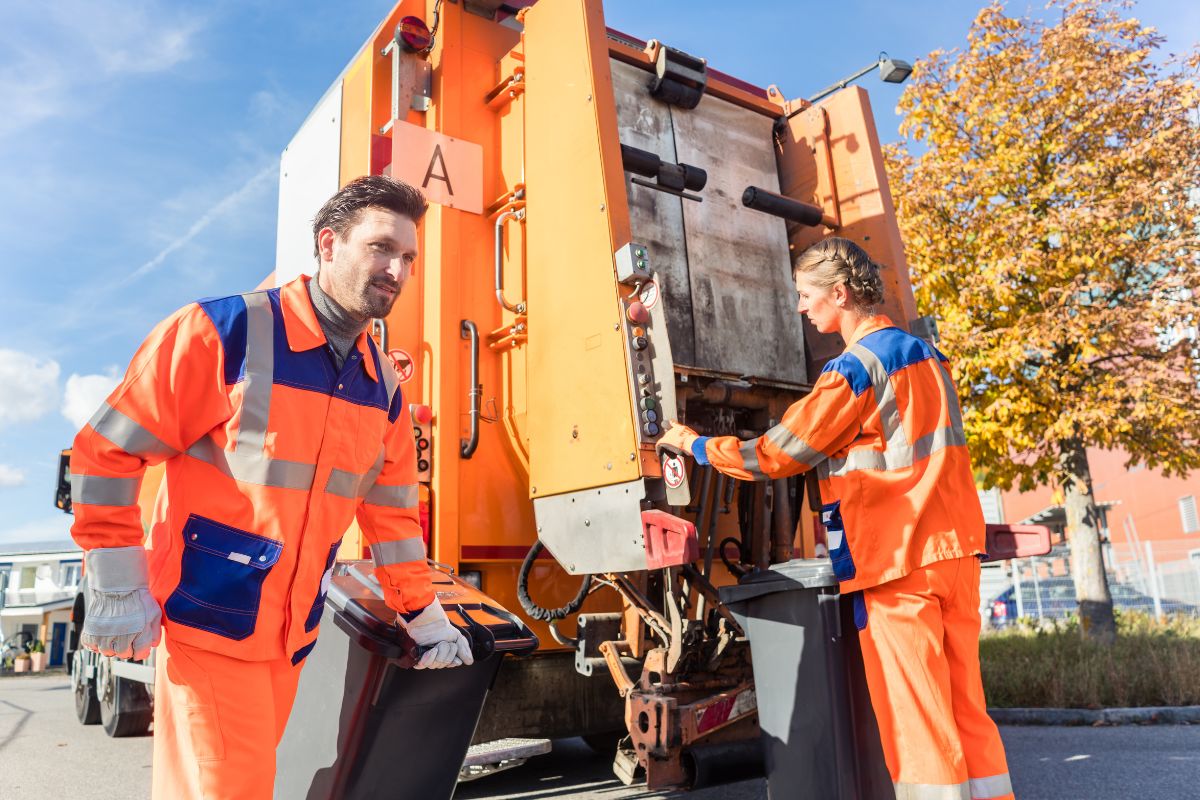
(221,578)
(839,544)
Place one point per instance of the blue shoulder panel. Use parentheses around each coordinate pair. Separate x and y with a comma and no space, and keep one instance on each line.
(897,349)
(310,369)
(228,316)
(849,367)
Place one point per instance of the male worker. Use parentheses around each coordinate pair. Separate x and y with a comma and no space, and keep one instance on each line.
(279,422)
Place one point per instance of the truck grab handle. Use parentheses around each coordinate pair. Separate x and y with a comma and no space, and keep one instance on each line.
(468,331)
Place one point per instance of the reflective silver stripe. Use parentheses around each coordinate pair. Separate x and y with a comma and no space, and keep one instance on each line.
(793,446)
(932,791)
(254,468)
(404,551)
(259,375)
(897,456)
(885,394)
(344,484)
(388,374)
(354,484)
(988,788)
(393,496)
(749,456)
(97,491)
(956,420)
(128,435)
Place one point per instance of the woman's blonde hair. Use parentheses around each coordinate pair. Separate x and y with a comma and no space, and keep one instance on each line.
(835,260)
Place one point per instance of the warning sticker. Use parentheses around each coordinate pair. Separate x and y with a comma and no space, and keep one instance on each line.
(673,471)
(405,366)
(649,294)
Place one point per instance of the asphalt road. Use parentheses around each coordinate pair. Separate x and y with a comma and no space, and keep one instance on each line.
(44,752)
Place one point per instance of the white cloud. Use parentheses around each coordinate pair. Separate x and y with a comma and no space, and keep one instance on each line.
(85,393)
(108,40)
(28,387)
(256,183)
(11,476)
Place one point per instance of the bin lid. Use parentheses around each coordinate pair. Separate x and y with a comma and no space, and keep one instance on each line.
(359,609)
(799,573)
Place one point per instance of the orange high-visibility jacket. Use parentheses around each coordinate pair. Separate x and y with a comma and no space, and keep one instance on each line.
(883,429)
(270,453)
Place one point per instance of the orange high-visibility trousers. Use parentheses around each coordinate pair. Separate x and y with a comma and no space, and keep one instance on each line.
(217,722)
(920,648)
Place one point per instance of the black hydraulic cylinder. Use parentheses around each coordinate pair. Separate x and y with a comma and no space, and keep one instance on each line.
(779,206)
(678,177)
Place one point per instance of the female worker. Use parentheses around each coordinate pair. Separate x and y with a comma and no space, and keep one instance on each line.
(883,429)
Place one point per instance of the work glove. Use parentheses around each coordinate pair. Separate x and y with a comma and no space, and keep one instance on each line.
(430,628)
(123,619)
(678,439)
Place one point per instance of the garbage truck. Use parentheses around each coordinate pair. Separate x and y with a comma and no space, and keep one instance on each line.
(608,247)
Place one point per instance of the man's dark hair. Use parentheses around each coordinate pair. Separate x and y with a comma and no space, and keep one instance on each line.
(342,211)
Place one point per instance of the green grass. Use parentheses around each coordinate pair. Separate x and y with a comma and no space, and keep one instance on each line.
(1151,664)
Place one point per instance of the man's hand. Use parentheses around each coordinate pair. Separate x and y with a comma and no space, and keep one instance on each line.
(678,439)
(123,619)
(430,628)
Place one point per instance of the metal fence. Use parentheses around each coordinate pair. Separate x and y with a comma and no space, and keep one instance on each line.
(1156,577)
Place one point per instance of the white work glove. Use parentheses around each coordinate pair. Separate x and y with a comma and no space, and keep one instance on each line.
(430,628)
(123,619)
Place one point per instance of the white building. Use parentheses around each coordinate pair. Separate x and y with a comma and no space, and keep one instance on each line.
(38,583)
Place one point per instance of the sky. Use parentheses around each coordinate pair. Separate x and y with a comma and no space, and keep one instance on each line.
(139,150)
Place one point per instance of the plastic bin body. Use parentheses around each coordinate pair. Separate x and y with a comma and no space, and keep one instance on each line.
(367,725)
(819,732)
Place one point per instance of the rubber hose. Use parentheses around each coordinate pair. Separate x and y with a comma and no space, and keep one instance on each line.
(533,609)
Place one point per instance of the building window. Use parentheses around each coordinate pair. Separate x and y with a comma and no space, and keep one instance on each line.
(70,574)
(1187,511)
(28,577)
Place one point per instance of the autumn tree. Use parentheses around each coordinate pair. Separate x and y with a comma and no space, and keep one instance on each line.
(1046,190)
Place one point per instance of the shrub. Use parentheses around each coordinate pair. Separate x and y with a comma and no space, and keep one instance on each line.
(1049,664)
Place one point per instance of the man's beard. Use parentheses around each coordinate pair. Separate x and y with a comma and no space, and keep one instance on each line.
(374,305)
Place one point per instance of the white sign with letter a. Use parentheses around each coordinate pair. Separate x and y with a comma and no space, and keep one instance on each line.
(448,171)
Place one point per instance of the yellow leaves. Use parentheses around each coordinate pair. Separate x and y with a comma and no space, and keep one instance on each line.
(1042,218)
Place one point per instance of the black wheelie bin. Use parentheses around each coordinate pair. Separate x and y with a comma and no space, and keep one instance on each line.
(819,733)
(368,725)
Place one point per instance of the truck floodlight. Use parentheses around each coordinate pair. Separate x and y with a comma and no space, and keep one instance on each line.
(891,70)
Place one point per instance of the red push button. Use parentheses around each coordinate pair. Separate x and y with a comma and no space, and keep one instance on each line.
(638,313)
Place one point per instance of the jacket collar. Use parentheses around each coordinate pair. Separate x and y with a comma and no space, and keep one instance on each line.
(870,325)
(304,329)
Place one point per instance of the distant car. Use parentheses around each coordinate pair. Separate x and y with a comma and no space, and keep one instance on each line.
(1058,600)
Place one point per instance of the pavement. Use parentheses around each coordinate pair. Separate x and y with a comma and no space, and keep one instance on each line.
(45,752)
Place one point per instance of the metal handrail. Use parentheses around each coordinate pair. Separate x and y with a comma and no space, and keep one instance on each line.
(468,330)
(519,214)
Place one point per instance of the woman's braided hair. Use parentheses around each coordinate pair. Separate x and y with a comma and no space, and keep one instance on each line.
(835,260)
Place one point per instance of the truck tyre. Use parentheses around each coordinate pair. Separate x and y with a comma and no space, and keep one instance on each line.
(87,706)
(125,705)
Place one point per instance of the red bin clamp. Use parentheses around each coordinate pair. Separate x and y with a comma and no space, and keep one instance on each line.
(670,540)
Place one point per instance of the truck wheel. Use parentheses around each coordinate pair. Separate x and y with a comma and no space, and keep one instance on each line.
(125,706)
(87,706)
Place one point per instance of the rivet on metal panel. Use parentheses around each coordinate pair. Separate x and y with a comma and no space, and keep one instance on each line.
(602,206)
(589,98)
(633,456)
(587,523)
(533,490)
(608,465)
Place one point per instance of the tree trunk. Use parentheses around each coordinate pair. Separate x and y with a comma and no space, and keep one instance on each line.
(1096,621)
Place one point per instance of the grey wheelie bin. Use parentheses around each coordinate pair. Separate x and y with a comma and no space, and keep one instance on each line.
(819,734)
(368,725)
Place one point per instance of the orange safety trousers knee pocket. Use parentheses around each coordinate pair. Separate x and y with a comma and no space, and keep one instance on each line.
(217,722)
(920,647)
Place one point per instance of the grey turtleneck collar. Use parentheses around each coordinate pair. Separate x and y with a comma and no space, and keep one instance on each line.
(341,328)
